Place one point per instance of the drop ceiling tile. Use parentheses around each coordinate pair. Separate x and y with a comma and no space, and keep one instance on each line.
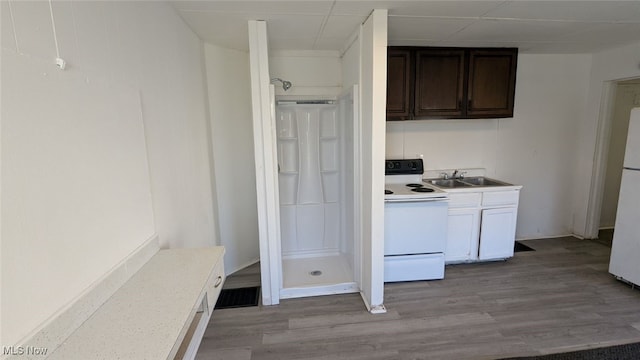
(232,30)
(533,25)
(219,29)
(417,8)
(416,28)
(293,27)
(569,10)
(363,8)
(563,48)
(317,7)
(602,33)
(518,30)
(342,26)
(445,8)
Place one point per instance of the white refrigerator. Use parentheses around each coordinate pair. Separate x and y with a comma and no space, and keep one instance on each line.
(625,251)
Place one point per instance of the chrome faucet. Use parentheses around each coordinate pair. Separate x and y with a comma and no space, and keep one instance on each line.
(444,175)
(458,174)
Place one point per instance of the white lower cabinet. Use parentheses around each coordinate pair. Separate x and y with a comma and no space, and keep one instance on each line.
(497,234)
(464,227)
(462,235)
(482,226)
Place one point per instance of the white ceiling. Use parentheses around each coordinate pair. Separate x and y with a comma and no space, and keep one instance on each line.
(532,26)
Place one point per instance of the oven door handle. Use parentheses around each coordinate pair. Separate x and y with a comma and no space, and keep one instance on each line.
(415,200)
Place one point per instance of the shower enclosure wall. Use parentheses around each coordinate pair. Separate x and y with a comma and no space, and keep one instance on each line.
(315,143)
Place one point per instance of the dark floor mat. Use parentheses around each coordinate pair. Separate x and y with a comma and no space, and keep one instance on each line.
(619,352)
(518,247)
(241,297)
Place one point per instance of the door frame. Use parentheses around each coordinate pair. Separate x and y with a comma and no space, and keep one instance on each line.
(601,153)
(353,94)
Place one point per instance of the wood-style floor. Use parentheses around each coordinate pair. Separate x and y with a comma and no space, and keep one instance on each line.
(556,299)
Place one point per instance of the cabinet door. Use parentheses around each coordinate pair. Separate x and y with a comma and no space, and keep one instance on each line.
(492,83)
(398,84)
(497,233)
(440,82)
(462,235)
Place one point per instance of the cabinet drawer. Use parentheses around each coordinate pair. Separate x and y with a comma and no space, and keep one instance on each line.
(214,285)
(464,200)
(495,198)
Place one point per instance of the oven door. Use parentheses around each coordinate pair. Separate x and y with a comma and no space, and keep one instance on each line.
(415,227)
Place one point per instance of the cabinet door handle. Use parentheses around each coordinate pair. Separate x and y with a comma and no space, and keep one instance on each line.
(469,104)
(218,282)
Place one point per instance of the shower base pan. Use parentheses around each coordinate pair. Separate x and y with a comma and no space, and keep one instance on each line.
(323,275)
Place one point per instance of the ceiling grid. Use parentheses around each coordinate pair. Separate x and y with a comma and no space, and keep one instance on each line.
(532,26)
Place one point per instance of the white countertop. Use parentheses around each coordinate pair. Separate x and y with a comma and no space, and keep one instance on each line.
(146,316)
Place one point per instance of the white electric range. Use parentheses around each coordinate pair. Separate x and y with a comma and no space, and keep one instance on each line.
(415,221)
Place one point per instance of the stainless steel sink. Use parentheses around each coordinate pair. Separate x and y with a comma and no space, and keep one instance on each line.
(483,181)
(476,181)
(449,183)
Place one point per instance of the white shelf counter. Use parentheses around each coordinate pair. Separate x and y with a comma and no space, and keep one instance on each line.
(160,313)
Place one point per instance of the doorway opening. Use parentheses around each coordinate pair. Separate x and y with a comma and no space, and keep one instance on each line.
(623,95)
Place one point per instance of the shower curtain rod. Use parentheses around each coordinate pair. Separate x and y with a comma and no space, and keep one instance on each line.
(305,102)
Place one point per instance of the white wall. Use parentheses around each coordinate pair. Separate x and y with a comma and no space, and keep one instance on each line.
(615,64)
(93,154)
(536,148)
(314,74)
(627,97)
(229,87)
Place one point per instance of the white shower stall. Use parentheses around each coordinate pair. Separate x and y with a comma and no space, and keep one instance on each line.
(316,154)
(319,173)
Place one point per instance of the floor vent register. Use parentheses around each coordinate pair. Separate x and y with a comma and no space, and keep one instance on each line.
(240,297)
(522,247)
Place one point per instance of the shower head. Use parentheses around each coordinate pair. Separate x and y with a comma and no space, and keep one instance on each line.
(286,85)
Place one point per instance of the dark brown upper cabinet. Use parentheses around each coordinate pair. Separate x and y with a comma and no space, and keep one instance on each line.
(440,80)
(492,83)
(450,83)
(398,84)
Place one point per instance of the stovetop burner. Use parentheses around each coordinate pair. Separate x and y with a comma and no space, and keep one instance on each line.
(403,182)
(422,189)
